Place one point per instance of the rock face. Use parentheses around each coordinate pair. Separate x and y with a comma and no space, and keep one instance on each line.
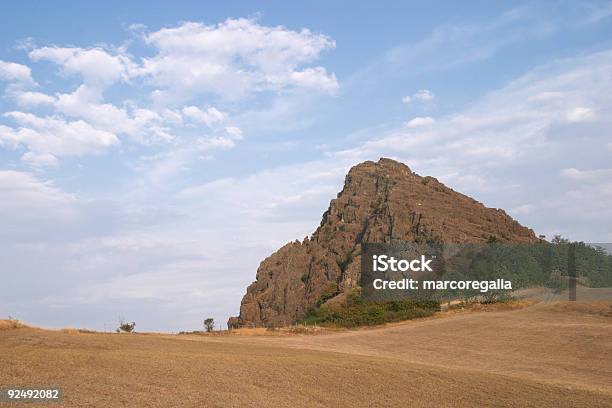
(380,202)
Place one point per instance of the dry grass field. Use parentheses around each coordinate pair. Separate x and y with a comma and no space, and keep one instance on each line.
(549,354)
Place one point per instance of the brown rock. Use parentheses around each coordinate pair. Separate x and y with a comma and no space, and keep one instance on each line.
(380,202)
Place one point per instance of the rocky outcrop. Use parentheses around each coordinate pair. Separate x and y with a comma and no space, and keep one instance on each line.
(380,202)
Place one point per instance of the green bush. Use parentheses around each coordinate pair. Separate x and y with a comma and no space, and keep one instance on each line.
(358,312)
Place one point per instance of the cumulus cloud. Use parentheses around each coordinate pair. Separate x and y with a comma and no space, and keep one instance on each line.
(82,122)
(234,132)
(420,122)
(233,59)
(209,116)
(142,124)
(422,95)
(96,65)
(13,72)
(223,62)
(33,99)
(314,78)
(55,136)
(220,142)
(226,141)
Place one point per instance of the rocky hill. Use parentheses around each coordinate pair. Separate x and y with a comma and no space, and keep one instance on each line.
(380,202)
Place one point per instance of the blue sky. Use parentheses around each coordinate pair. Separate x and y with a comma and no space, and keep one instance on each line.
(152,155)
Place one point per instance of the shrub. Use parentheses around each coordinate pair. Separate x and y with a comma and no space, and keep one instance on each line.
(359,312)
(126,327)
(496,296)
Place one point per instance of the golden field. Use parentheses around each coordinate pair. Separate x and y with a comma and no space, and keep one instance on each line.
(547,354)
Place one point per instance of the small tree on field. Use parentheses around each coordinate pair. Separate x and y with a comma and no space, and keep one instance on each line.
(209,324)
(126,327)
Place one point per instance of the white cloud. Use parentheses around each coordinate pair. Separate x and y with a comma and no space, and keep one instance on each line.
(55,136)
(163,166)
(143,125)
(422,95)
(100,122)
(580,114)
(234,132)
(233,59)
(314,78)
(209,117)
(39,160)
(24,196)
(158,168)
(280,194)
(220,142)
(224,142)
(420,122)
(11,71)
(86,103)
(33,99)
(96,66)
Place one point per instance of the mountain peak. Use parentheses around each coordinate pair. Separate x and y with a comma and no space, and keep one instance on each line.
(381,202)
